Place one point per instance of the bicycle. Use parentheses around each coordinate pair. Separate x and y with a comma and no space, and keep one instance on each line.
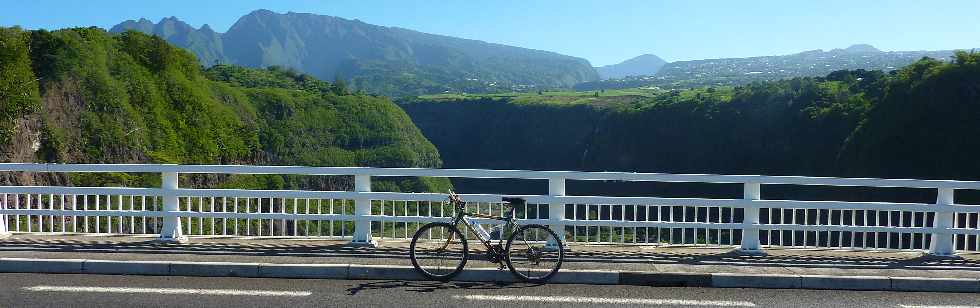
(533,252)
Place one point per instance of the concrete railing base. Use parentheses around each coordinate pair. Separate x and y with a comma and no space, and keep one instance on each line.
(177,240)
(370,244)
(750,252)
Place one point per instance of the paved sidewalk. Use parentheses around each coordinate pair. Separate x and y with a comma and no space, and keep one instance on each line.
(663,264)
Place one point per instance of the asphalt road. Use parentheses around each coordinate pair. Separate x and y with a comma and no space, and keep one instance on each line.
(49,290)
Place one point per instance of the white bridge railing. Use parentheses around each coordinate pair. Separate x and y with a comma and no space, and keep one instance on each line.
(750,223)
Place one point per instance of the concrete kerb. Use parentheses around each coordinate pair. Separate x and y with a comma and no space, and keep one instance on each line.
(656,279)
(315,271)
(386,272)
(935,284)
(758,281)
(863,283)
(214,269)
(28,265)
(150,268)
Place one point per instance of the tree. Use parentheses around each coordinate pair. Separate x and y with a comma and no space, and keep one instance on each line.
(964,58)
(18,84)
(340,86)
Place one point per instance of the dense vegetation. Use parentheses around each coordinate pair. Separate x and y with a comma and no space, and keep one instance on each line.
(18,85)
(382,60)
(131,97)
(918,122)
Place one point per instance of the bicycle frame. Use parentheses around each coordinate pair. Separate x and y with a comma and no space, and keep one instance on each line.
(495,251)
(509,225)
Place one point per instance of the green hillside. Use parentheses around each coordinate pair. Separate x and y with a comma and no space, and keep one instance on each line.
(86,96)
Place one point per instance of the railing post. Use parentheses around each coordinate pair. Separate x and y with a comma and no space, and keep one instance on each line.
(556,210)
(4,231)
(362,208)
(171,231)
(942,240)
(750,220)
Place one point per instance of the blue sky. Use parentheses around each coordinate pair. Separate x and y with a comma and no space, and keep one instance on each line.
(604,32)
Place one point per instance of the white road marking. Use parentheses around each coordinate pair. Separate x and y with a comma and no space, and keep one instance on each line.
(166,291)
(936,306)
(600,300)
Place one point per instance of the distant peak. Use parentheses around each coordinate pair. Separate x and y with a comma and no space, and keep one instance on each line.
(642,65)
(647,59)
(649,56)
(142,25)
(262,12)
(861,48)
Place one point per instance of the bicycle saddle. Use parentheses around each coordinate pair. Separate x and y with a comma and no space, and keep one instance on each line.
(514,200)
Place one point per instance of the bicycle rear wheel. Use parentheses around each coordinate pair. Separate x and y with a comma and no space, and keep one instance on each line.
(439,251)
(534,253)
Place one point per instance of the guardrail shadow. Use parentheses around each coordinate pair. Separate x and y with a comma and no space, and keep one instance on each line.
(433,286)
(578,256)
(783,257)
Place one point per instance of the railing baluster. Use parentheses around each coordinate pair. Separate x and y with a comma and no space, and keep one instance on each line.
(4,230)
(212,219)
(750,217)
(17,217)
(224,221)
(248,221)
(171,222)
(942,242)
(143,209)
(235,208)
(362,208)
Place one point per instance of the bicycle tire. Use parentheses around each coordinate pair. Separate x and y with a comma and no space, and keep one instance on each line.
(522,276)
(414,254)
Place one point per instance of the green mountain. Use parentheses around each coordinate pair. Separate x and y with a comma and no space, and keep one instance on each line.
(742,71)
(384,60)
(918,122)
(87,96)
(814,63)
(643,65)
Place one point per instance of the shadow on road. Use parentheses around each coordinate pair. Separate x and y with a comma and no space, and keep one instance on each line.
(432,286)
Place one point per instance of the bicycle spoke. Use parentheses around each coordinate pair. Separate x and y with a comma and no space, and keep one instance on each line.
(438,251)
(532,258)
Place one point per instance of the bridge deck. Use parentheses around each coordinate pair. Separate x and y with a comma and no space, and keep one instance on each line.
(586,257)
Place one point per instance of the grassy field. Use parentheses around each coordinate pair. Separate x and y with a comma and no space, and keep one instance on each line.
(599,98)
(556,97)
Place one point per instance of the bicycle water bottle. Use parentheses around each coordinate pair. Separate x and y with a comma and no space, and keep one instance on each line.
(495,232)
(481,232)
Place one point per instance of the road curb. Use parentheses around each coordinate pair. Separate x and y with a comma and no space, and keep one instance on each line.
(656,279)
(395,272)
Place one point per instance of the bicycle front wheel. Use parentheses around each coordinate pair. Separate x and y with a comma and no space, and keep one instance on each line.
(439,251)
(534,253)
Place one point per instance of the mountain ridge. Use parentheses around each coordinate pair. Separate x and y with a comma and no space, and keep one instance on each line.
(386,60)
(740,71)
